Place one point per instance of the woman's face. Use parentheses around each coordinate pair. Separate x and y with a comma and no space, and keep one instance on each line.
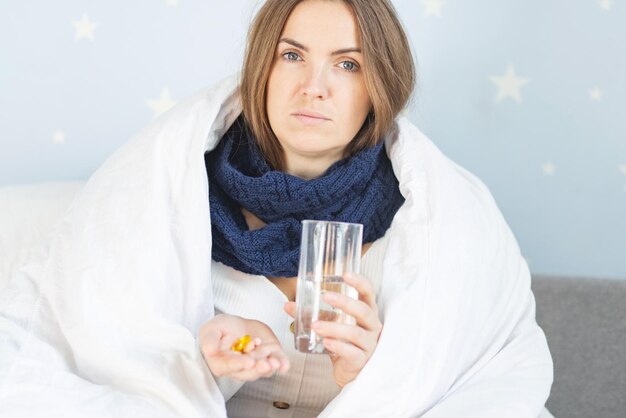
(316,95)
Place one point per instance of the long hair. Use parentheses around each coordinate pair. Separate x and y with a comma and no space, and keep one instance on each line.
(389,71)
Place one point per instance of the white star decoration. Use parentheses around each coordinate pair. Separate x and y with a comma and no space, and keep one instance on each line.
(85,28)
(605,4)
(595,94)
(509,85)
(172,3)
(433,7)
(162,104)
(58,137)
(548,168)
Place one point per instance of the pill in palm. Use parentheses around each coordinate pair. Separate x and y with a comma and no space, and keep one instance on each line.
(241,343)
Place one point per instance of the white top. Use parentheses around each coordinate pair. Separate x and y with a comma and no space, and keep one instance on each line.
(308,386)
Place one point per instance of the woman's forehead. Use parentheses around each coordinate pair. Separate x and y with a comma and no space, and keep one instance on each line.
(322,25)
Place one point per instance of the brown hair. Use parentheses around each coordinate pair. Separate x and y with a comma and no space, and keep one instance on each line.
(388,70)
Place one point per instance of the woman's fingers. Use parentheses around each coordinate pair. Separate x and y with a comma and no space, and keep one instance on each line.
(228,363)
(364,310)
(365,315)
(290,308)
(353,357)
(264,350)
(281,360)
(260,369)
(359,337)
(273,353)
(263,367)
(363,286)
(262,362)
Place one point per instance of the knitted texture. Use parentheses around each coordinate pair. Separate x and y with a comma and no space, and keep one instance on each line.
(359,189)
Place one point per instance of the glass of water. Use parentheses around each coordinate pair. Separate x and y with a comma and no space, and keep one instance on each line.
(328,250)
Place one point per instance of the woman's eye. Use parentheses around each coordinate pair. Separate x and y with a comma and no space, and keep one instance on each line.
(291,56)
(349,66)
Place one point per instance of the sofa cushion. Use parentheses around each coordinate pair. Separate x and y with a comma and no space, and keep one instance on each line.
(585,324)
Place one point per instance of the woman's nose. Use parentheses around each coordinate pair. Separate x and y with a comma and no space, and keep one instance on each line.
(316,83)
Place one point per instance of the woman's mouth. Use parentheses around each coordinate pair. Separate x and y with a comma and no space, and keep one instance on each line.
(309,118)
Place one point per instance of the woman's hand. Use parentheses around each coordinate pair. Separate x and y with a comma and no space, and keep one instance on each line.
(262,356)
(351,345)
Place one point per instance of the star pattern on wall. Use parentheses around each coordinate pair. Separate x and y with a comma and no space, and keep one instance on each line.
(162,104)
(509,90)
(58,137)
(595,94)
(85,28)
(548,168)
(509,85)
(433,7)
(605,4)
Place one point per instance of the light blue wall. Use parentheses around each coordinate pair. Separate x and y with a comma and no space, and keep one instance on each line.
(553,151)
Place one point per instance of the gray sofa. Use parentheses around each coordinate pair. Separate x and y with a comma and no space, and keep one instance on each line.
(585,323)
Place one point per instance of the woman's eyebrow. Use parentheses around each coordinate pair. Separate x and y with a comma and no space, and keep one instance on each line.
(299,45)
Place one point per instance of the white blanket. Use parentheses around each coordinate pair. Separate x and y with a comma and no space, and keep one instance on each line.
(103,321)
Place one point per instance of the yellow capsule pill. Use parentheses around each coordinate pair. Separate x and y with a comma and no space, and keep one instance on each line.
(241,343)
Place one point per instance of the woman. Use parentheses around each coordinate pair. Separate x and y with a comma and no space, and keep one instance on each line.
(117,316)
(310,79)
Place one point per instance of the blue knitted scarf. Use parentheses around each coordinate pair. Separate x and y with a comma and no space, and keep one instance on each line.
(360,189)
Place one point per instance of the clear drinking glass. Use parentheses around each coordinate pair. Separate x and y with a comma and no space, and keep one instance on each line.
(328,250)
